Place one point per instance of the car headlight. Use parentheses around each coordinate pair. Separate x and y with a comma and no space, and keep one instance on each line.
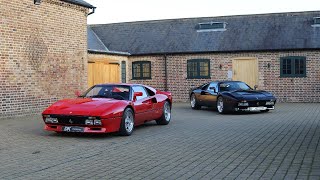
(243,103)
(89,122)
(93,121)
(97,122)
(49,119)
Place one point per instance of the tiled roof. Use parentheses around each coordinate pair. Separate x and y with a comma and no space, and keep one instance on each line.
(265,32)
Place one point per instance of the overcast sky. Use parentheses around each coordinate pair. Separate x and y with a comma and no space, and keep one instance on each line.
(113,11)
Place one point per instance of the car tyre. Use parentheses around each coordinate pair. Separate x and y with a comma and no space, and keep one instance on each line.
(127,122)
(220,105)
(166,114)
(193,102)
(267,110)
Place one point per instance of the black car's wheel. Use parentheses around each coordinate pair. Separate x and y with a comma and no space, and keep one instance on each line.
(166,114)
(127,122)
(193,102)
(220,105)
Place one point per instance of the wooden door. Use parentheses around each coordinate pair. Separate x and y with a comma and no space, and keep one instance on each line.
(245,70)
(99,73)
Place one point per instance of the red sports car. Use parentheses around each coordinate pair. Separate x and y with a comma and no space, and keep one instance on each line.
(108,108)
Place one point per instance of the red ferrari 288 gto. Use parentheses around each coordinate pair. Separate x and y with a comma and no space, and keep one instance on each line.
(106,108)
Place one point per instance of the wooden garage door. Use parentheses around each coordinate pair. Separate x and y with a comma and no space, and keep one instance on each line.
(99,73)
(245,70)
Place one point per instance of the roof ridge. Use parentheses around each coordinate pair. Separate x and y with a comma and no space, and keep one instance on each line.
(194,18)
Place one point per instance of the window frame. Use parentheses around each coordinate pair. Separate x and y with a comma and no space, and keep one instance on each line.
(211,26)
(123,71)
(141,70)
(198,76)
(316,20)
(292,68)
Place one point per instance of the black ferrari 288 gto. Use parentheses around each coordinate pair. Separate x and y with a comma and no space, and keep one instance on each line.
(231,96)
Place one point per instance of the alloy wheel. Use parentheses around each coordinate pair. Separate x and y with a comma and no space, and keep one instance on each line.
(167,111)
(220,105)
(193,101)
(128,122)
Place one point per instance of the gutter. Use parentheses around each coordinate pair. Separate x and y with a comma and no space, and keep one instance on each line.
(87,5)
(93,10)
(108,52)
(228,51)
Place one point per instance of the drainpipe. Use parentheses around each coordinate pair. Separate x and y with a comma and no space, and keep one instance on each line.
(165,73)
(93,9)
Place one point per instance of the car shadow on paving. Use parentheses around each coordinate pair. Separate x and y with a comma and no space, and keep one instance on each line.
(96,136)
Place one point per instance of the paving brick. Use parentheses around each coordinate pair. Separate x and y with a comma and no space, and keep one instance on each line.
(203,144)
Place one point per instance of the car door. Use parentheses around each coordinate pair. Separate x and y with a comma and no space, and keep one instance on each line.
(210,95)
(143,105)
(201,94)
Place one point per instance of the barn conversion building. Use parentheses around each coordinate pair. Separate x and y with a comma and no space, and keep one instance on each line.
(47,51)
(278,52)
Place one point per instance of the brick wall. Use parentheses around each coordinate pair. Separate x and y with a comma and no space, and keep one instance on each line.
(285,89)
(157,71)
(43,54)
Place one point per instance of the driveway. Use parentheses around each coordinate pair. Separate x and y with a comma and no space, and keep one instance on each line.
(197,144)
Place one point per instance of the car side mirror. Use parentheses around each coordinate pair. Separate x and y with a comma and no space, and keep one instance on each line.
(77,93)
(213,89)
(255,87)
(136,94)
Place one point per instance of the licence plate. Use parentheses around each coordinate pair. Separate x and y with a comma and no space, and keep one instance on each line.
(257,108)
(72,129)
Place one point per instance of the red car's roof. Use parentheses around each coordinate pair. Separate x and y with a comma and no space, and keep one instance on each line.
(128,84)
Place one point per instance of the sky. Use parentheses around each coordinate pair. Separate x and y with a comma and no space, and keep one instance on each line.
(114,11)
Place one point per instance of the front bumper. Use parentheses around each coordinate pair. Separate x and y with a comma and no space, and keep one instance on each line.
(258,108)
(108,125)
(58,128)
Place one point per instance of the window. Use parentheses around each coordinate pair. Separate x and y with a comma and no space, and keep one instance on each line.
(141,70)
(150,92)
(211,26)
(140,89)
(231,86)
(316,20)
(198,68)
(120,92)
(213,85)
(123,72)
(293,66)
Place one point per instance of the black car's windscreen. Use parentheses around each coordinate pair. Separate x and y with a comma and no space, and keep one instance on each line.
(233,86)
(120,92)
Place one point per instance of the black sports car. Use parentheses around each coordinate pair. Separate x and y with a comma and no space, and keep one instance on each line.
(231,96)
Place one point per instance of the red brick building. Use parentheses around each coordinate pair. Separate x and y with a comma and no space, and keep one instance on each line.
(43,53)
(278,52)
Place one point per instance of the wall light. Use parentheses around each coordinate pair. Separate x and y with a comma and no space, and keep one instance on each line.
(37,2)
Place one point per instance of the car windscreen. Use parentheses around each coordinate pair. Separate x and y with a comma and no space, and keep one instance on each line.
(120,92)
(233,86)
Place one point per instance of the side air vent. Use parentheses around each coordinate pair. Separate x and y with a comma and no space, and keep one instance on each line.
(211,26)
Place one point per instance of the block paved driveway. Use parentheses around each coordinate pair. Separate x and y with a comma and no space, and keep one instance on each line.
(197,144)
